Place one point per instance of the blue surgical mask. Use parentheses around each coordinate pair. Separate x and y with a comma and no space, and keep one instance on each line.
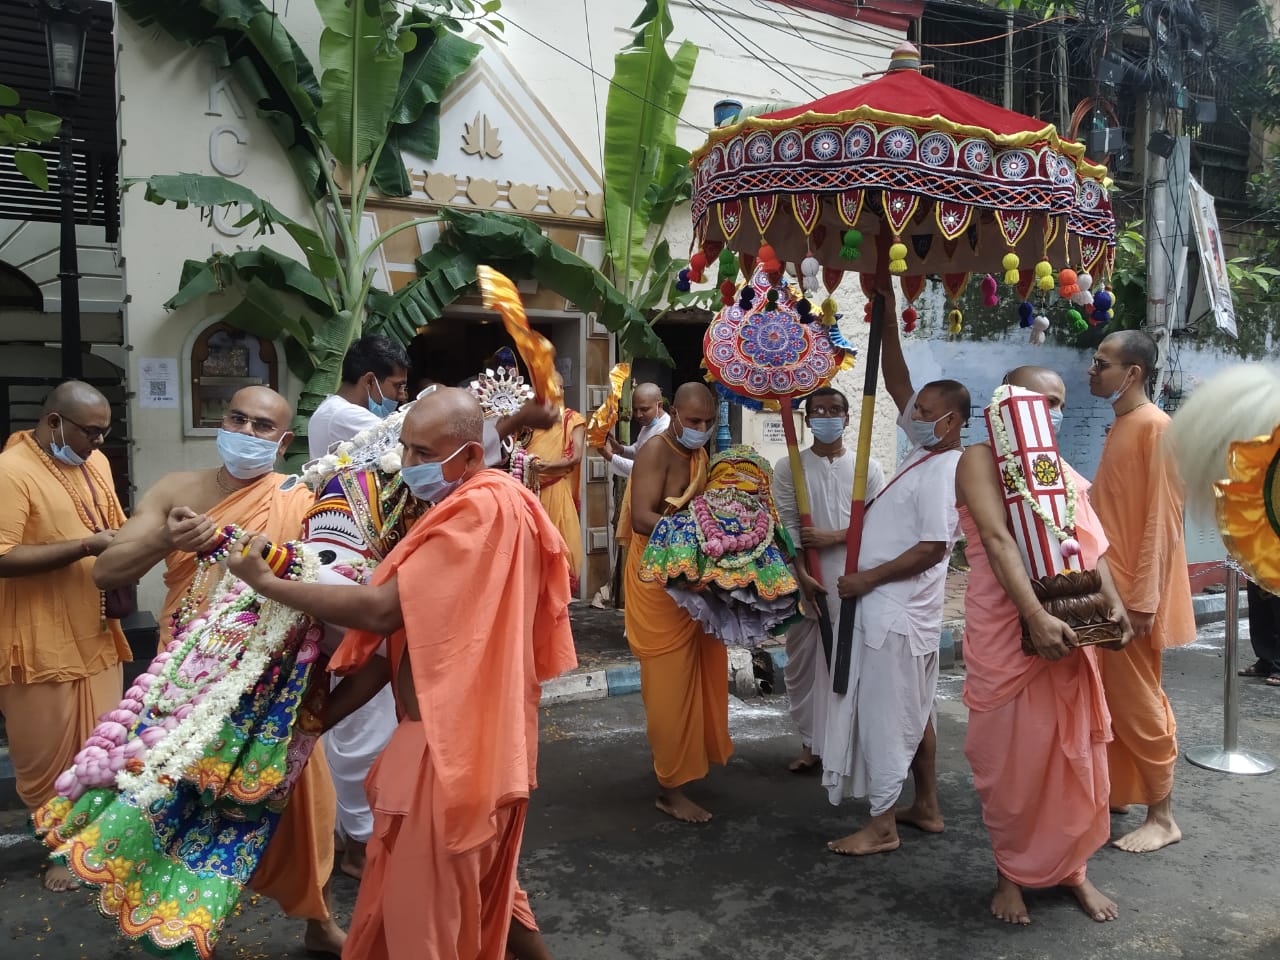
(1055,418)
(692,439)
(921,432)
(827,429)
(1116,395)
(63,453)
(245,456)
(384,406)
(426,480)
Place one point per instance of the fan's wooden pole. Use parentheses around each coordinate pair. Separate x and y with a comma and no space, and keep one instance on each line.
(808,555)
(853,544)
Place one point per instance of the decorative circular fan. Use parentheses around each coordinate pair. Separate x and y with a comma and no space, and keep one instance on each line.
(1248,506)
(772,348)
(501,392)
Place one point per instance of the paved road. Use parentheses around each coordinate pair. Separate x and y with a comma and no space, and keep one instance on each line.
(611,878)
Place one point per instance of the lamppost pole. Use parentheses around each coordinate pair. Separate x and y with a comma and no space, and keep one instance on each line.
(65,25)
(68,259)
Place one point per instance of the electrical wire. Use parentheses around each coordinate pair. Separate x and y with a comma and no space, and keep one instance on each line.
(795,78)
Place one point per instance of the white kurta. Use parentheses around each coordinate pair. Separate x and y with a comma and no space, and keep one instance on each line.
(830,486)
(352,745)
(873,730)
(625,460)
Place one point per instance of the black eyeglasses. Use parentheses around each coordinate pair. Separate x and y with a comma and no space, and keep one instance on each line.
(238,421)
(92,434)
(1097,364)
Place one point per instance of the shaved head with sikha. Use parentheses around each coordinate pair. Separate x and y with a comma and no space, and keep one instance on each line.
(647,393)
(1040,380)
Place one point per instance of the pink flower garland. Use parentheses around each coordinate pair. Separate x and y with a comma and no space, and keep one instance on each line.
(742,548)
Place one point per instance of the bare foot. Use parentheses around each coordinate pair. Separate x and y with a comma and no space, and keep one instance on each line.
(324,938)
(674,803)
(352,861)
(928,819)
(1095,903)
(58,879)
(1121,809)
(805,762)
(873,838)
(1157,832)
(1007,903)
(526,944)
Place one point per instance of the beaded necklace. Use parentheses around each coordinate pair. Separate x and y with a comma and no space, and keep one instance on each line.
(114,520)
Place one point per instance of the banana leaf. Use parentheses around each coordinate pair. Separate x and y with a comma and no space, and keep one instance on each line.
(647,94)
(207,192)
(430,68)
(360,79)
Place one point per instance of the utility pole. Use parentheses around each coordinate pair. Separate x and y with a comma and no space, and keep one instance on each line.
(1157,230)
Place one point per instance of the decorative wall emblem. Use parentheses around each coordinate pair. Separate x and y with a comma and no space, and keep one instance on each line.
(480,138)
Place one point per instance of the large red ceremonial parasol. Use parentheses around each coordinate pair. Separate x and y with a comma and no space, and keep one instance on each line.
(946,183)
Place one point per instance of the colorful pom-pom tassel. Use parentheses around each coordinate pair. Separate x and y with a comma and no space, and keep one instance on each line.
(954,320)
(1044,269)
(1070,547)
(988,290)
(1025,313)
(851,245)
(810,267)
(910,317)
(682,280)
(1038,328)
(829,311)
(803,308)
(1010,264)
(728,264)
(1067,284)
(898,258)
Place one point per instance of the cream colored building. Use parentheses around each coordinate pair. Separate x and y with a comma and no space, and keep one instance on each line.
(520,132)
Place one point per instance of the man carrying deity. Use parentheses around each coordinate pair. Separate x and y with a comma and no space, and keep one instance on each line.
(1038,724)
(828,474)
(684,671)
(647,417)
(450,793)
(375,373)
(1138,497)
(60,654)
(883,727)
(182,516)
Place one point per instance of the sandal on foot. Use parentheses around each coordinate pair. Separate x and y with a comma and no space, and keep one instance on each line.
(1273,680)
(1258,668)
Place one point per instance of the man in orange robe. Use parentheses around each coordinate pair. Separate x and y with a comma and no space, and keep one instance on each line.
(559,450)
(181,516)
(684,671)
(1038,726)
(1139,500)
(450,792)
(60,656)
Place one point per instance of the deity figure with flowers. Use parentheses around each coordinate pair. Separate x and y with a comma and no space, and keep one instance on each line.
(169,807)
(724,557)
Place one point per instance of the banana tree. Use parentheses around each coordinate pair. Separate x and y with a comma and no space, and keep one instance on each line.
(384,67)
(646,173)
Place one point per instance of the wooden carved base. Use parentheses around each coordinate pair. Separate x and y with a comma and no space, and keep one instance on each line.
(1076,598)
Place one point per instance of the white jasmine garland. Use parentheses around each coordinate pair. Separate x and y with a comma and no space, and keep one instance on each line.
(170,758)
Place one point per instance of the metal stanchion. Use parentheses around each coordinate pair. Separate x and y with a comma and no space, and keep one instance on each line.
(1228,758)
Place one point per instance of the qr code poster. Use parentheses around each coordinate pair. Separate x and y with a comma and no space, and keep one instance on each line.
(158,382)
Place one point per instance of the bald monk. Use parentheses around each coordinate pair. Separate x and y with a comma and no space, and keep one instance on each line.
(1139,500)
(1038,726)
(181,516)
(482,620)
(59,655)
(648,418)
(684,671)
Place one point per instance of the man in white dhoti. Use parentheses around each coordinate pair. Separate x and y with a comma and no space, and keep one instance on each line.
(828,472)
(883,727)
(375,374)
(648,416)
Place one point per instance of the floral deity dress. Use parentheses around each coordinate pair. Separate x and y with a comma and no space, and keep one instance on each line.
(723,558)
(171,803)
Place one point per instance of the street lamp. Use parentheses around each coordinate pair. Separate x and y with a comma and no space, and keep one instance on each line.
(65,24)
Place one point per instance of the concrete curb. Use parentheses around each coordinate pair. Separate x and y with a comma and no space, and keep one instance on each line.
(1212,607)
